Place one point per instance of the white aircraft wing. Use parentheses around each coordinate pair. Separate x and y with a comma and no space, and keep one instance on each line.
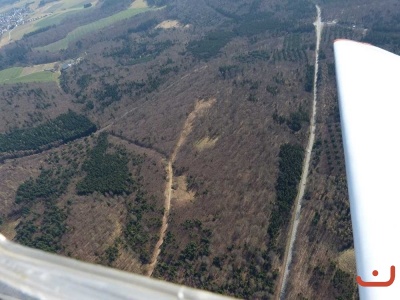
(368,80)
(27,273)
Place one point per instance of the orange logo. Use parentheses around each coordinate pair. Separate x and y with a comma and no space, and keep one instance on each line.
(378,283)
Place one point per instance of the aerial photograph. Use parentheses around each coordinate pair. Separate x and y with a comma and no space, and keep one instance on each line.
(198,149)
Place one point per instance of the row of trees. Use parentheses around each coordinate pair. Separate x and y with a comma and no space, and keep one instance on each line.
(290,166)
(210,45)
(136,236)
(309,83)
(64,128)
(254,56)
(37,31)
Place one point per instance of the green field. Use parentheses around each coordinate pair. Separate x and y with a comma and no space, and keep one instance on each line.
(92,27)
(43,76)
(53,20)
(10,74)
(62,10)
(13,75)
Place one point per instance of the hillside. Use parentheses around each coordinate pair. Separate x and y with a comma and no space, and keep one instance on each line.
(167,138)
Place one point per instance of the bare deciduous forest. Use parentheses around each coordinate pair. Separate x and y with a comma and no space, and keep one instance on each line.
(186,124)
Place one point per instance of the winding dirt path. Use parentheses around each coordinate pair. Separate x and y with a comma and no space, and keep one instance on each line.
(306,165)
(200,106)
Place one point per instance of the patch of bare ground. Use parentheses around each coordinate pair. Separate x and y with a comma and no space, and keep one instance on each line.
(180,193)
(200,106)
(205,143)
(347,262)
(139,4)
(8,229)
(168,24)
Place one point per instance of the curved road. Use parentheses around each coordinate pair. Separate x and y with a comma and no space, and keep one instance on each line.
(306,165)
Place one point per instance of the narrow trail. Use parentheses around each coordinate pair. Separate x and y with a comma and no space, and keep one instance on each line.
(306,165)
(187,129)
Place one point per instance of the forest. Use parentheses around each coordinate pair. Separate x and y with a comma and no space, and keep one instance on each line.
(105,172)
(66,127)
(49,185)
(290,164)
(46,234)
(140,83)
(43,231)
(137,237)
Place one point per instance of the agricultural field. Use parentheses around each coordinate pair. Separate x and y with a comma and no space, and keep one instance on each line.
(29,74)
(9,74)
(43,76)
(57,11)
(50,14)
(92,27)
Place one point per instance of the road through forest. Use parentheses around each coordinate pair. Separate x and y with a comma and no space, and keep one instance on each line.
(306,165)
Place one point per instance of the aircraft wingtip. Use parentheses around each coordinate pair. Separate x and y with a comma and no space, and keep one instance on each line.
(347,40)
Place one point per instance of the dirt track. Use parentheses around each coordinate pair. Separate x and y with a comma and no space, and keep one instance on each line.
(187,128)
(306,165)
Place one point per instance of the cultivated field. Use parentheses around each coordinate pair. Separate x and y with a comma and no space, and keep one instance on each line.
(35,73)
(10,73)
(50,14)
(92,27)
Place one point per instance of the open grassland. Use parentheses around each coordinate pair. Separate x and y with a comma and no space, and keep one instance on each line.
(28,74)
(53,19)
(92,27)
(9,74)
(43,76)
(71,4)
(60,11)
